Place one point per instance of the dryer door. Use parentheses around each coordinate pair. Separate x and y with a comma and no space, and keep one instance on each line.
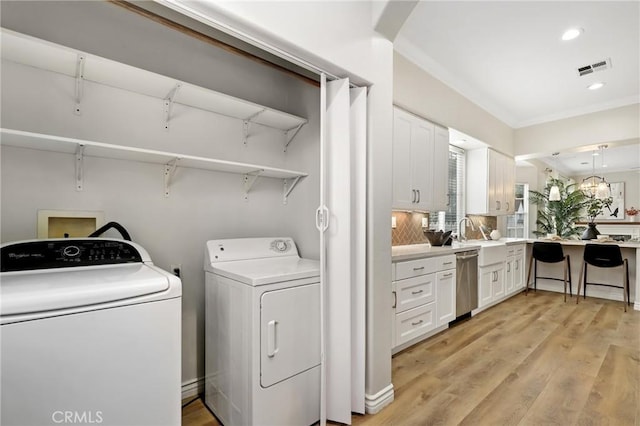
(289,332)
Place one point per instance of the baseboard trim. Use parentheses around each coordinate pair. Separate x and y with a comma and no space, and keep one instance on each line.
(374,403)
(193,387)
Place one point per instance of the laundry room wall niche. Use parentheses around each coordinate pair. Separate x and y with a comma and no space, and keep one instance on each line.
(202,204)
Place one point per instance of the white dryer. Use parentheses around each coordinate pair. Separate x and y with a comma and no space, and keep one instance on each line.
(90,332)
(262,344)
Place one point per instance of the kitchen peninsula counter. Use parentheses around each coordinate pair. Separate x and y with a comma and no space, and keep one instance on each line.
(575,249)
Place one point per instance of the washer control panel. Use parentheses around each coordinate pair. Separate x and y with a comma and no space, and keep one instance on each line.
(47,254)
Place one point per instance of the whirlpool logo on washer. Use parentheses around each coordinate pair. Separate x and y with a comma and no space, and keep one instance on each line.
(280,246)
(77,417)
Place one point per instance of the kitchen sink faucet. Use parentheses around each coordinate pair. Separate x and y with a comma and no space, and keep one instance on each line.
(461,235)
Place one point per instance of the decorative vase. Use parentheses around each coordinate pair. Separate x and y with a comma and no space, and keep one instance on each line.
(591,233)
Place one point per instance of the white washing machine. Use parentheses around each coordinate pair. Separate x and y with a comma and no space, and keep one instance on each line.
(90,333)
(262,344)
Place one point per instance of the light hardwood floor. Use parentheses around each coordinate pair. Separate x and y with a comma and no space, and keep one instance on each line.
(532,360)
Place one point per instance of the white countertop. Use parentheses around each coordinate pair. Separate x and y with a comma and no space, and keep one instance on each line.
(421,251)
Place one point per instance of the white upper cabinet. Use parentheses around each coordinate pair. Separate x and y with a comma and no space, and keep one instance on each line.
(490,183)
(420,163)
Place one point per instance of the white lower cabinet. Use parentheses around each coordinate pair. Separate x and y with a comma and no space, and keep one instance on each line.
(491,286)
(509,274)
(446,296)
(514,272)
(519,267)
(424,298)
(415,322)
(502,279)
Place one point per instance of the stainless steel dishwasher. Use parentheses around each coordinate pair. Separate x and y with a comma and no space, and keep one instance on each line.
(466,282)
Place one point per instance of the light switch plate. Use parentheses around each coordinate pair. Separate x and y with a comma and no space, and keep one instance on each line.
(393,222)
(425,222)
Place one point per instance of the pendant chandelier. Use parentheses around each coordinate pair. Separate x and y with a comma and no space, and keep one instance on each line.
(596,186)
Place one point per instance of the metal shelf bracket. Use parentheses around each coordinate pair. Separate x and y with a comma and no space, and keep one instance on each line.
(168,104)
(249,180)
(245,126)
(290,134)
(79,167)
(169,171)
(288,190)
(79,84)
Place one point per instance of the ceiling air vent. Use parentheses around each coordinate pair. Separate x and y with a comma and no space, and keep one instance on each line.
(596,66)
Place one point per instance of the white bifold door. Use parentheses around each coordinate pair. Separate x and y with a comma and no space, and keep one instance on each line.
(341,219)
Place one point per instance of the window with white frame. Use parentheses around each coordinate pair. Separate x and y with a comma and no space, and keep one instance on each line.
(447,220)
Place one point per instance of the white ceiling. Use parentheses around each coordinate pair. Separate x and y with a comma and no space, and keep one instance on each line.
(508,58)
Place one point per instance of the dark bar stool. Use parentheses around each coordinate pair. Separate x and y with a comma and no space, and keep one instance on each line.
(549,253)
(605,256)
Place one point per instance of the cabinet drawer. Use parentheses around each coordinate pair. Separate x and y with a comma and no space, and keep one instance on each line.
(413,268)
(443,263)
(515,250)
(415,322)
(414,292)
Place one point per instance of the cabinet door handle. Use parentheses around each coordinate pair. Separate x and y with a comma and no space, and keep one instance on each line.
(450,274)
(418,191)
(418,269)
(517,264)
(417,292)
(395,299)
(447,263)
(507,206)
(448,199)
(508,267)
(417,323)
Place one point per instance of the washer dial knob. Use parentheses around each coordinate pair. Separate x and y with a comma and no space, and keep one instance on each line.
(71,251)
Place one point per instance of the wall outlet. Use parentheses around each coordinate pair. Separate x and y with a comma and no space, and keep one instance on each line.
(176,269)
(425,222)
(393,222)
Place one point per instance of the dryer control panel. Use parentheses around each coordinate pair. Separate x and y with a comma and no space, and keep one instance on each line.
(47,254)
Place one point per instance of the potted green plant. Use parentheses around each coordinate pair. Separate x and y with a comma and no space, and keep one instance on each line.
(558,217)
(593,208)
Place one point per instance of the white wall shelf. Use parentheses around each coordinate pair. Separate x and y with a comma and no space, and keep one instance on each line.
(48,56)
(84,148)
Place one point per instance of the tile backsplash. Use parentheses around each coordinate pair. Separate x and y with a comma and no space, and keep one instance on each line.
(490,222)
(409,229)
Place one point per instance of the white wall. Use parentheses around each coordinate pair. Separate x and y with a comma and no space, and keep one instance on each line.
(203,205)
(620,125)
(417,91)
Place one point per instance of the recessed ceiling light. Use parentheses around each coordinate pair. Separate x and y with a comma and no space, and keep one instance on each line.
(595,86)
(572,33)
